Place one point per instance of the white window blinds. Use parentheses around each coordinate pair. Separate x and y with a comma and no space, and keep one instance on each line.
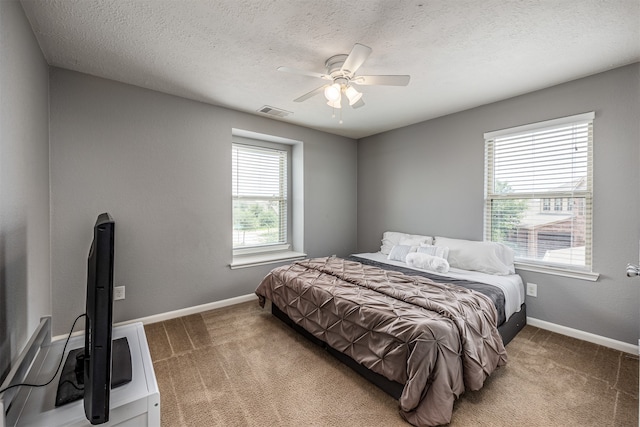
(259,179)
(539,183)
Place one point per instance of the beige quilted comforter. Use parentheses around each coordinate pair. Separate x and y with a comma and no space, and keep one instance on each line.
(437,339)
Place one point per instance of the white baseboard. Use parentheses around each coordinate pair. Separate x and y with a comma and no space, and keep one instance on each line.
(585,336)
(191,310)
(176,313)
(563,330)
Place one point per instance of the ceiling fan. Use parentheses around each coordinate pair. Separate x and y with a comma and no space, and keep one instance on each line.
(341,77)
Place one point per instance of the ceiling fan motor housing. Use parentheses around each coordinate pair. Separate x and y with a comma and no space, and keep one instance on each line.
(334,66)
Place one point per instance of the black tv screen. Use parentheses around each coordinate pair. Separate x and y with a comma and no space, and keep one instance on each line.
(90,372)
(99,315)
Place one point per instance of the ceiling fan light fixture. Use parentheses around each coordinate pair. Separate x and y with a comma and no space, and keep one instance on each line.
(353,95)
(334,104)
(332,92)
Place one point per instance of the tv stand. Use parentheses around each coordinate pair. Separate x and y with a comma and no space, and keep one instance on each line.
(71,383)
(136,403)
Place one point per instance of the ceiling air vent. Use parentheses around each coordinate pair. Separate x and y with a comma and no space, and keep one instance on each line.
(273,111)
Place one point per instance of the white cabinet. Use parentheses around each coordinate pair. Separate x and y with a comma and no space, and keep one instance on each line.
(133,404)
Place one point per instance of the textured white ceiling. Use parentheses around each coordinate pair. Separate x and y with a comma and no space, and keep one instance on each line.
(459,53)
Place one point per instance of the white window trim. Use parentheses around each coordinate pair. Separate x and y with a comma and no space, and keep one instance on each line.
(269,254)
(255,259)
(576,119)
(262,249)
(557,271)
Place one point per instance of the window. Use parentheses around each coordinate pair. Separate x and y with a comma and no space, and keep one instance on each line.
(526,168)
(557,205)
(260,204)
(267,199)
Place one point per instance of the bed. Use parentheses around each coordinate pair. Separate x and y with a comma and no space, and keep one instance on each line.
(423,332)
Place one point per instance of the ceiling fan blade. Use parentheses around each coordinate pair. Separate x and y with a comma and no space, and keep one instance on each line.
(393,80)
(356,58)
(310,94)
(358,104)
(304,73)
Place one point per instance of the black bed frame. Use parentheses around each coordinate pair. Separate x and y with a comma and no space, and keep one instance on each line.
(508,330)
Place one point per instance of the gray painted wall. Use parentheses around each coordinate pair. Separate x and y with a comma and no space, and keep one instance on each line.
(161,165)
(24,184)
(428,178)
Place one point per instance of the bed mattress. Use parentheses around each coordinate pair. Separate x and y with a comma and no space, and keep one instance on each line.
(511,285)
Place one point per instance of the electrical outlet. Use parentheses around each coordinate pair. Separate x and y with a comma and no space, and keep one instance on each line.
(118,293)
(532,290)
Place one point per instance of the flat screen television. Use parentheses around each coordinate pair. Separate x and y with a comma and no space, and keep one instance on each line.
(90,372)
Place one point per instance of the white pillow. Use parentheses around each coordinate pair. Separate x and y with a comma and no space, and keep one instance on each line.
(416,240)
(427,262)
(392,238)
(400,252)
(439,251)
(389,240)
(486,257)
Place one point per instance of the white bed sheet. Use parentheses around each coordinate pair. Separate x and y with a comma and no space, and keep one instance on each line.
(511,285)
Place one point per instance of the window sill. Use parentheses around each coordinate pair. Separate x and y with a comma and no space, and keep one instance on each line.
(245,261)
(558,271)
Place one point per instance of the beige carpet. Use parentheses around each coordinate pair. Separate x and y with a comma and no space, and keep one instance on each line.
(240,366)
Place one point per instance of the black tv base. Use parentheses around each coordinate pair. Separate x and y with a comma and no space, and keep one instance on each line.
(71,383)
